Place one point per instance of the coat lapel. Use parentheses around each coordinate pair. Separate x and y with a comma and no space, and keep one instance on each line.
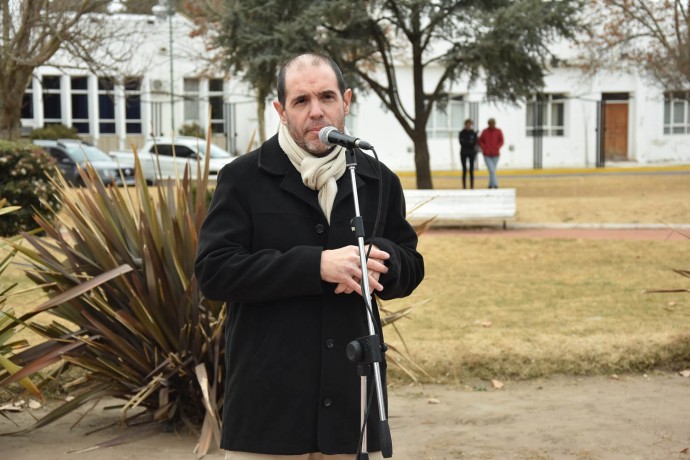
(273,160)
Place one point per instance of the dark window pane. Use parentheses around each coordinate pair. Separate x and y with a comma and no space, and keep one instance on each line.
(184,152)
(107,128)
(51,106)
(28,106)
(106,83)
(216,107)
(79,83)
(133,107)
(132,84)
(106,107)
(51,82)
(82,128)
(163,149)
(216,85)
(217,127)
(80,106)
(134,128)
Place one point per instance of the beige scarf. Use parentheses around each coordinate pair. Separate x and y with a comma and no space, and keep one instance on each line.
(318,173)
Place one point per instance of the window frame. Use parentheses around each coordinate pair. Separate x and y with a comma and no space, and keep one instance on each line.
(217,124)
(547,128)
(451,126)
(55,92)
(192,98)
(77,123)
(105,94)
(670,126)
(133,125)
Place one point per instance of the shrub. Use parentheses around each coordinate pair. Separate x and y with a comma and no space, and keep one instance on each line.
(24,183)
(54,132)
(192,129)
(119,274)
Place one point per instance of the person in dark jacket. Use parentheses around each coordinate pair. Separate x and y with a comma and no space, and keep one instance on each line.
(491,141)
(468,151)
(278,247)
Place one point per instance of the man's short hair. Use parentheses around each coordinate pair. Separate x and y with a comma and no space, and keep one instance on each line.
(316,59)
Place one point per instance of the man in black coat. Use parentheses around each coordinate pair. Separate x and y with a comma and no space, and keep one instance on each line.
(278,247)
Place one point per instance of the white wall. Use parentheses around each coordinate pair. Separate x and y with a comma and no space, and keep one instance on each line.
(577,148)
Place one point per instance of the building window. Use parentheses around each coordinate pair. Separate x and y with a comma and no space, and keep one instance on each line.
(215,100)
(133,105)
(446,119)
(52,106)
(28,102)
(546,115)
(80,104)
(191,100)
(106,105)
(677,112)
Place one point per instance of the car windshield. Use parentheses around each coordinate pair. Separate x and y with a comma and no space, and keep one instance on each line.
(81,152)
(216,152)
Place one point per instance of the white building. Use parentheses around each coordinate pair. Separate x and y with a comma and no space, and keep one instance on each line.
(577,121)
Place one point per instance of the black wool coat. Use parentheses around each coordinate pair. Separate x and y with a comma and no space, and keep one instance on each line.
(289,387)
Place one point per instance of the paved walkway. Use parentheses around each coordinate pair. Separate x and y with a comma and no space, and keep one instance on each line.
(643,234)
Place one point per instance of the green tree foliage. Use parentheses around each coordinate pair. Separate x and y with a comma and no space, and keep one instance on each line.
(23,169)
(504,43)
(255,37)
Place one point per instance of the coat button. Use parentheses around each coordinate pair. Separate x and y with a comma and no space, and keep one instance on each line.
(327,402)
(320,228)
(330,343)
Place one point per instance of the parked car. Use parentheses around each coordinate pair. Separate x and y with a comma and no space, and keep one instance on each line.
(71,154)
(161,158)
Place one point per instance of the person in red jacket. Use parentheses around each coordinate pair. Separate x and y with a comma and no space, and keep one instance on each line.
(491,141)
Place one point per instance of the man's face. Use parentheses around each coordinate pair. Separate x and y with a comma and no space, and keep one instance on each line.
(312,101)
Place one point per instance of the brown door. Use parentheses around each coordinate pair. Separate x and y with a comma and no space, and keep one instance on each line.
(616,130)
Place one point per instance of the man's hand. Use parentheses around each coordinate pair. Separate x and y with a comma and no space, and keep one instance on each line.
(342,267)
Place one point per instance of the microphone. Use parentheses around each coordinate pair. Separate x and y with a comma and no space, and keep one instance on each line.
(330,135)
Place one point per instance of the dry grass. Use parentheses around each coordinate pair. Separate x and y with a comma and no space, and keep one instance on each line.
(531,307)
(593,198)
(555,306)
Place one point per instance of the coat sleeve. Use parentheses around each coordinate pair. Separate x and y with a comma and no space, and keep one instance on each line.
(406,265)
(227,269)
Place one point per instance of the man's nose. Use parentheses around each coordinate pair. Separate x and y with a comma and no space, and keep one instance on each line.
(316,111)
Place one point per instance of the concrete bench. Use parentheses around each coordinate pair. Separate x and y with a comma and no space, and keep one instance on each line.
(461,207)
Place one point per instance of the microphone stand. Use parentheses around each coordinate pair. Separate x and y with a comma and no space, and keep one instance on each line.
(367,352)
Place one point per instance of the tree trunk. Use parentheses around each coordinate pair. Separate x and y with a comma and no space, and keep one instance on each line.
(11,97)
(421,145)
(421,159)
(260,114)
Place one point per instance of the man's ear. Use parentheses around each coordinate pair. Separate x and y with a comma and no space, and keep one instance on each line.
(281,111)
(347,97)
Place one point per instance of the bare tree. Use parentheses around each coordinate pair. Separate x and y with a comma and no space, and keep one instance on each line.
(36,32)
(650,35)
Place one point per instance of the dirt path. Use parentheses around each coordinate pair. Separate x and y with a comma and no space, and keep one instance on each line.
(632,417)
